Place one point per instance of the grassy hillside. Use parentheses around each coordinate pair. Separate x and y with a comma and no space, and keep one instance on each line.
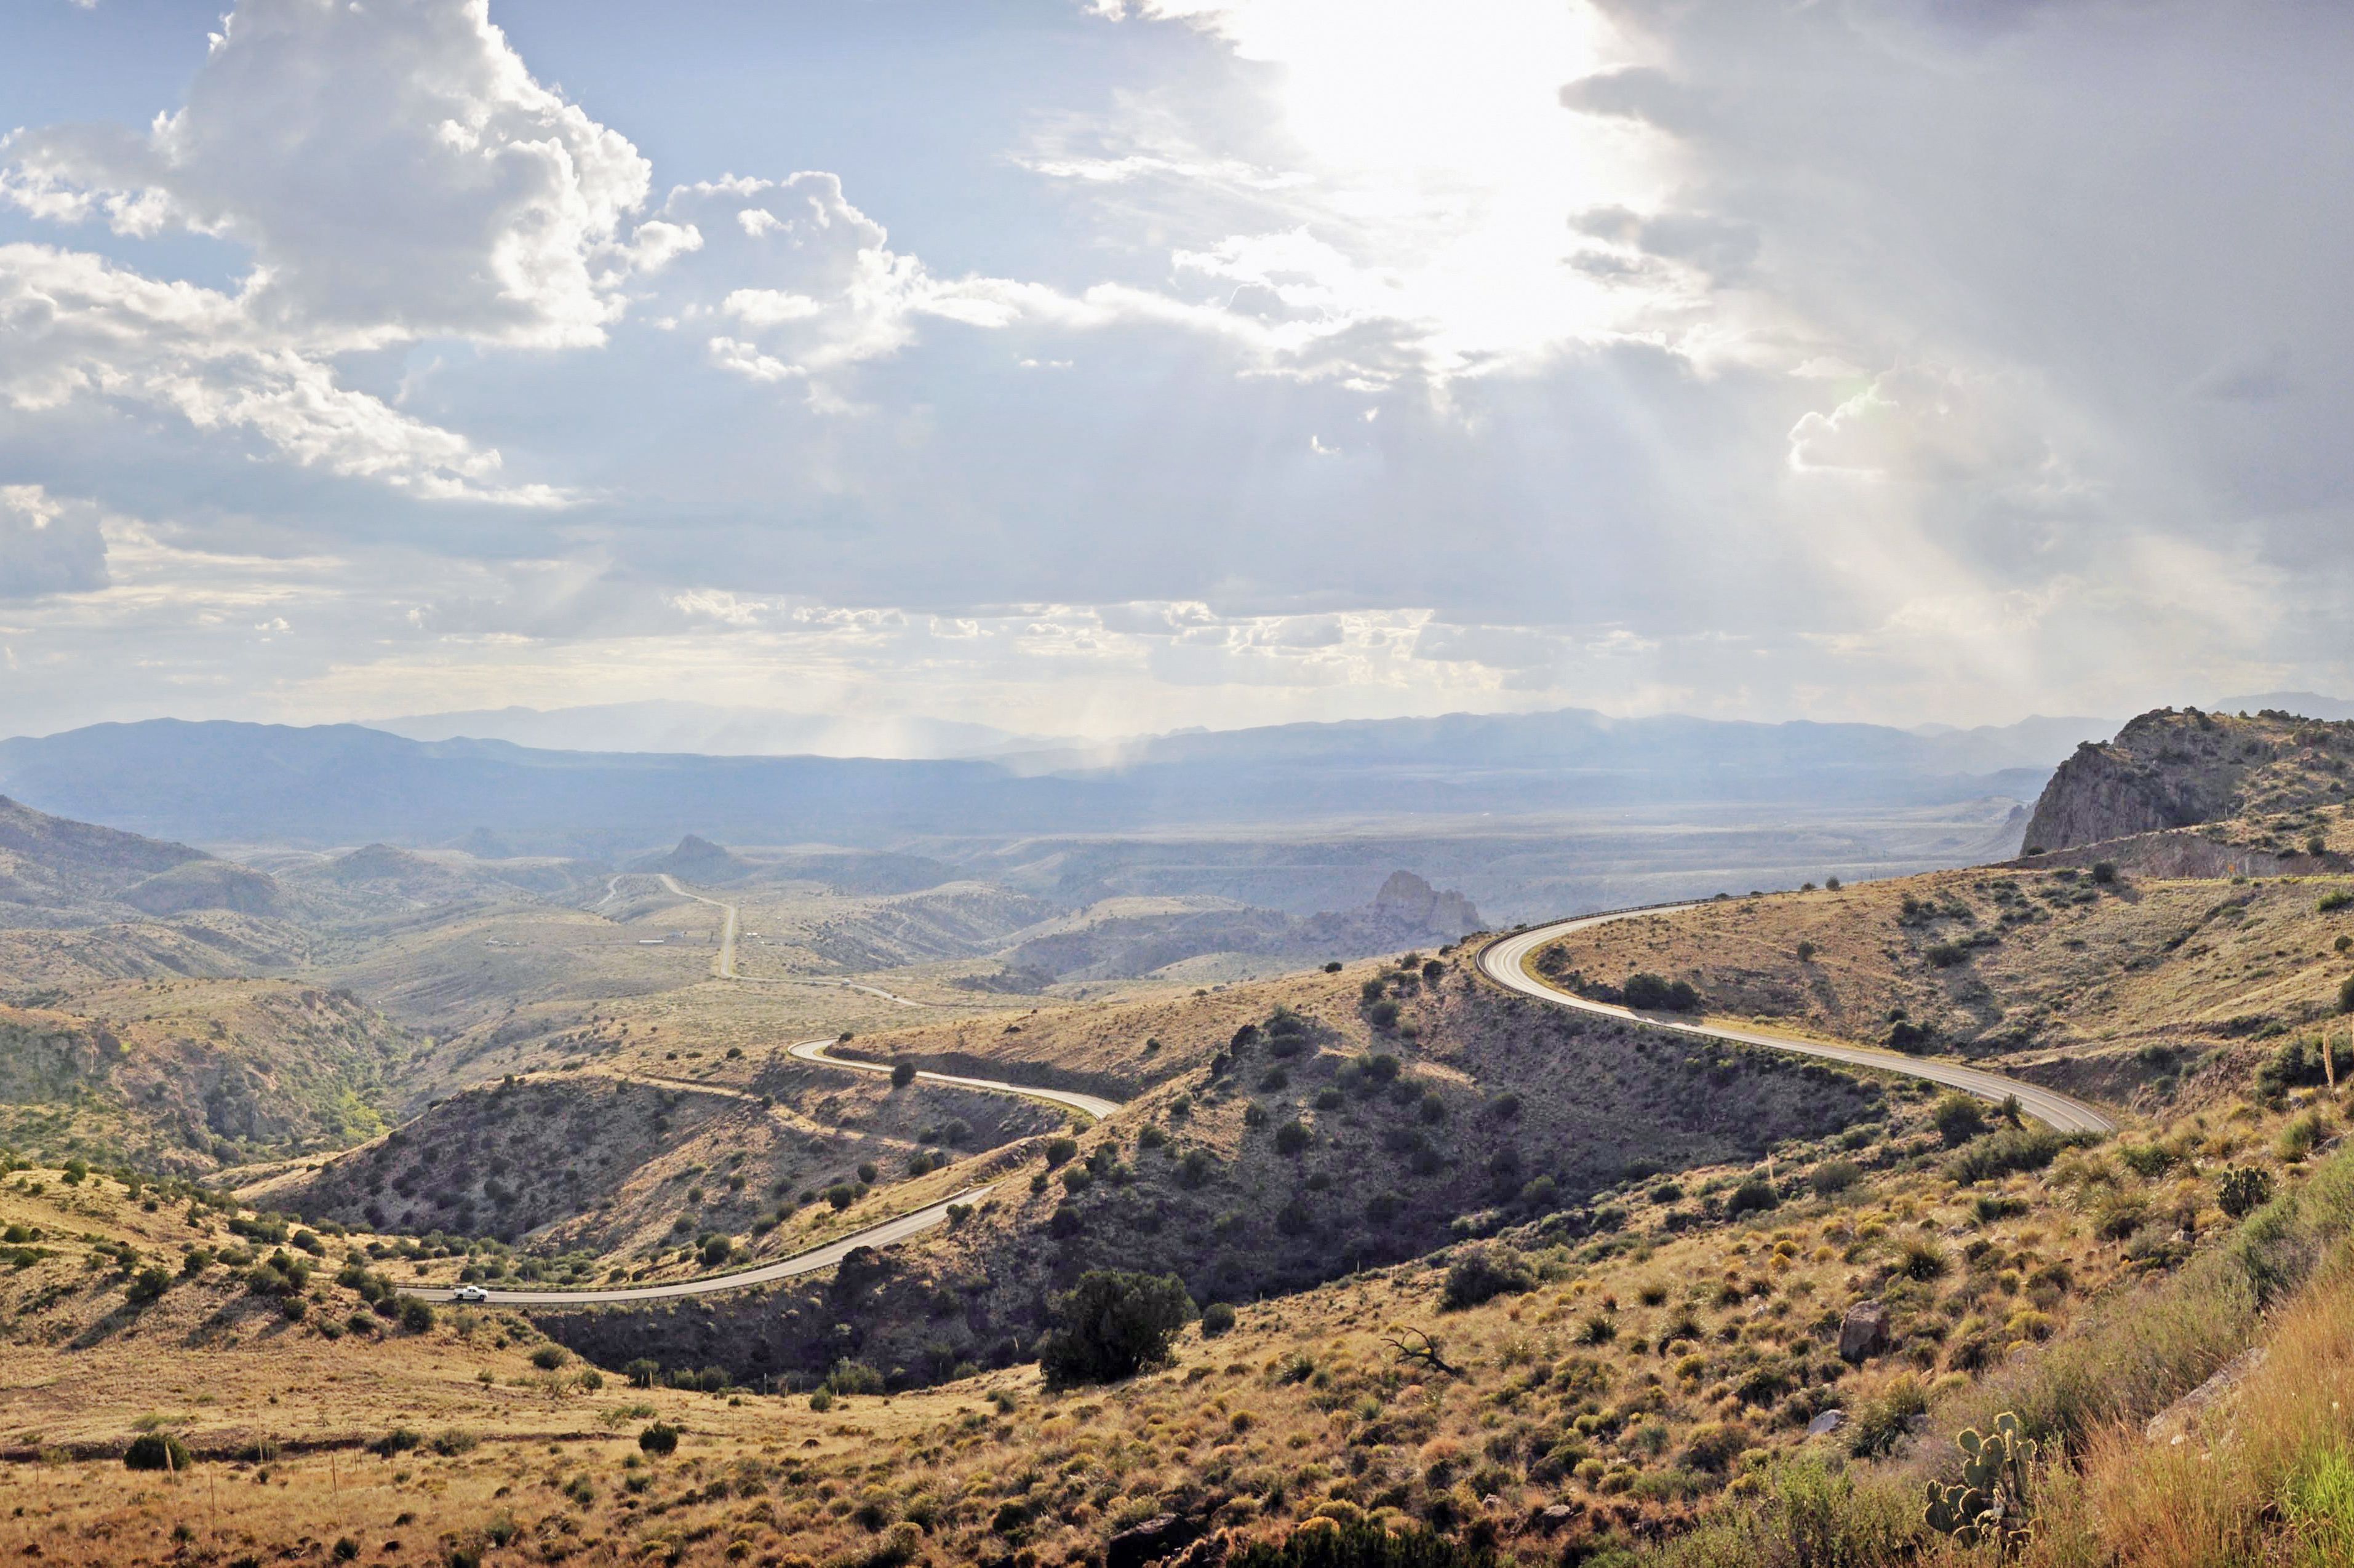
(1320,1142)
(2124,984)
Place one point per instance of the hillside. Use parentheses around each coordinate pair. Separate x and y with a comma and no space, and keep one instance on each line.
(2120,984)
(639,1170)
(2172,769)
(186,1074)
(57,872)
(1318,1143)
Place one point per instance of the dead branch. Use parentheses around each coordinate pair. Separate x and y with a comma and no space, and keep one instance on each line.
(1427,1351)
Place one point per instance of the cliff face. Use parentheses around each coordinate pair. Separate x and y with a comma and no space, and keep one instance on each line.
(2172,769)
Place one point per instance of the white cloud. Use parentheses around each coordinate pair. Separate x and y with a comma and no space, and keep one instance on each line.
(394,171)
(74,326)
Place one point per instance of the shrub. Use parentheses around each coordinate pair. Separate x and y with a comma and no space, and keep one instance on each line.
(2300,1137)
(658,1439)
(1061,1148)
(642,1371)
(157,1451)
(1217,1318)
(1833,1177)
(2105,871)
(547,1358)
(1482,1274)
(1291,1138)
(1382,1015)
(1958,1117)
(1713,1445)
(2013,1150)
(399,1440)
(822,1401)
(150,1284)
(854,1377)
(1752,1196)
(1879,1423)
(902,1074)
(841,1195)
(416,1316)
(1649,993)
(2335,900)
(1922,1258)
(1112,1325)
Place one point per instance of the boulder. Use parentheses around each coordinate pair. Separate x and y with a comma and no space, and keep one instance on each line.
(1863,1331)
(1829,1421)
(1156,1538)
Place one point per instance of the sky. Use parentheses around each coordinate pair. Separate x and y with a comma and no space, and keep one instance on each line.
(1087,368)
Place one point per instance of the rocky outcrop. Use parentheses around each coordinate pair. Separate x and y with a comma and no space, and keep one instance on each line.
(1407,910)
(2172,768)
(698,859)
(1863,1332)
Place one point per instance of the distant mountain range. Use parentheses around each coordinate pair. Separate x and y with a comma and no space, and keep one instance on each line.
(712,730)
(221,783)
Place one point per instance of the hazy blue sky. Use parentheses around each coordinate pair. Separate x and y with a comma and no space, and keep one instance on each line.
(1098,367)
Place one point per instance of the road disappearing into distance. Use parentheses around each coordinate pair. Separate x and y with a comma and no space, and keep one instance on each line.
(1505,960)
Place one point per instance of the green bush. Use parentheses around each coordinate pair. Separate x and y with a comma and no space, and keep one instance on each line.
(1112,1325)
(548,1358)
(1753,1196)
(416,1316)
(1958,1117)
(2012,1149)
(1217,1318)
(1482,1274)
(658,1439)
(1833,1177)
(1650,993)
(157,1451)
(1291,1138)
(902,1074)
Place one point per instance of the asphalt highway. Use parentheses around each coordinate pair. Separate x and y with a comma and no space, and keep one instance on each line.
(826,1256)
(1505,961)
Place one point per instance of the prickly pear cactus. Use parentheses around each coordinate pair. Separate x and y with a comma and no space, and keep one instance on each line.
(1989,1503)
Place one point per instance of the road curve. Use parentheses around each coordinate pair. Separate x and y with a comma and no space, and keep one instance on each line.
(886,1234)
(1094,1105)
(1505,961)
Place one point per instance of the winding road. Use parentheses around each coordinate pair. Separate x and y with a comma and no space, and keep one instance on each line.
(1505,961)
(1093,1104)
(883,1234)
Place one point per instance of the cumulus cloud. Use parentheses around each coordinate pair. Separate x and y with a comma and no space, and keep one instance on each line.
(391,173)
(393,170)
(74,326)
